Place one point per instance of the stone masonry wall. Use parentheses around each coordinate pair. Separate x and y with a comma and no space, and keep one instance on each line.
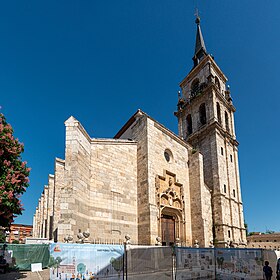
(113,194)
(75,196)
(45,211)
(201,209)
(50,209)
(96,187)
(138,132)
(58,187)
(160,139)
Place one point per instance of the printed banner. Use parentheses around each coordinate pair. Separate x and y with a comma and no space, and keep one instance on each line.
(85,261)
(239,264)
(230,264)
(195,263)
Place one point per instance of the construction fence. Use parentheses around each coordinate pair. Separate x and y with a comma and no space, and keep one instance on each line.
(21,256)
(103,261)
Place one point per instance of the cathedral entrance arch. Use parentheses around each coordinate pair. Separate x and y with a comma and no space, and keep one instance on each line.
(168,230)
(169,196)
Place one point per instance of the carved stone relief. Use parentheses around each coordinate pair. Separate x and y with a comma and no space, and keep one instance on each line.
(170,202)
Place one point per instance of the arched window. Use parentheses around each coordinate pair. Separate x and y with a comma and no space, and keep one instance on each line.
(189,124)
(226,121)
(195,87)
(202,113)
(217,83)
(195,84)
(219,113)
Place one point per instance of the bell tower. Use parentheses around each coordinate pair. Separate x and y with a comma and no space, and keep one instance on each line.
(205,115)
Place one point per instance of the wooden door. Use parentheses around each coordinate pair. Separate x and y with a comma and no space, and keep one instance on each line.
(168,230)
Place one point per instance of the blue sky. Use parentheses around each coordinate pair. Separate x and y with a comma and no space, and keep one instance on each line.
(102,60)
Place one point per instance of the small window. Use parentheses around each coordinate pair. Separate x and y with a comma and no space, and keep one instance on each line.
(189,124)
(230,158)
(226,122)
(168,155)
(225,189)
(217,83)
(234,193)
(228,233)
(219,113)
(195,87)
(222,151)
(202,113)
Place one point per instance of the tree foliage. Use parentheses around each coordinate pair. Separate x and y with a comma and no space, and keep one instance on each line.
(81,268)
(117,263)
(2,237)
(54,262)
(13,174)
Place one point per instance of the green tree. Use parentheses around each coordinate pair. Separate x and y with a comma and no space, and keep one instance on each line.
(51,261)
(117,265)
(246,227)
(13,174)
(54,263)
(2,237)
(81,268)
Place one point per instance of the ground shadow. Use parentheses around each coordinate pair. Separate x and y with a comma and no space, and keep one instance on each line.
(13,275)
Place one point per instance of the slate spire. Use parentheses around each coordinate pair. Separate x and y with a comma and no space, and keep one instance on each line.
(200,48)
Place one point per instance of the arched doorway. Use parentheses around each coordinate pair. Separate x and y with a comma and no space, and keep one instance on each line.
(171,226)
(171,222)
(168,230)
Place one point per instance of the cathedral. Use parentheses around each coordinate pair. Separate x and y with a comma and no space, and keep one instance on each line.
(149,183)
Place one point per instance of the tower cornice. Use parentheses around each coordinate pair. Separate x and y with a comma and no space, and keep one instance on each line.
(205,129)
(208,60)
(209,89)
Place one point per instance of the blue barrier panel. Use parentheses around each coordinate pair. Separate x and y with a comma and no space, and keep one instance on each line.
(85,261)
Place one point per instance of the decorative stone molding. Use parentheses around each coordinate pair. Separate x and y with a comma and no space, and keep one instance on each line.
(170,202)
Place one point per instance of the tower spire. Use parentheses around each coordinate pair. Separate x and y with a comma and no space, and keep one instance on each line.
(200,48)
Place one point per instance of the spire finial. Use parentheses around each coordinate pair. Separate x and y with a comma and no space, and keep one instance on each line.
(197,18)
(200,48)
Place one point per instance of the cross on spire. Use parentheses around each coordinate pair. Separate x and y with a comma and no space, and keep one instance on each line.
(197,14)
(200,48)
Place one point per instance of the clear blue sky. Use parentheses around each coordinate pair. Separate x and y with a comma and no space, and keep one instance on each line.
(102,60)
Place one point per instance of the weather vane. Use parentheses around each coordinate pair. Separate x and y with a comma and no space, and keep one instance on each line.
(196,12)
(197,20)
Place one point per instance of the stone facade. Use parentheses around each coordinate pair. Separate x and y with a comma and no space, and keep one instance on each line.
(264,241)
(149,183)
(206,121)
(116,187)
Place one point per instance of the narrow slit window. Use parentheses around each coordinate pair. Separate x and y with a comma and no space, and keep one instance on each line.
(189,124)
(202,114)
(219,113)
(222,151)
(226,122)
